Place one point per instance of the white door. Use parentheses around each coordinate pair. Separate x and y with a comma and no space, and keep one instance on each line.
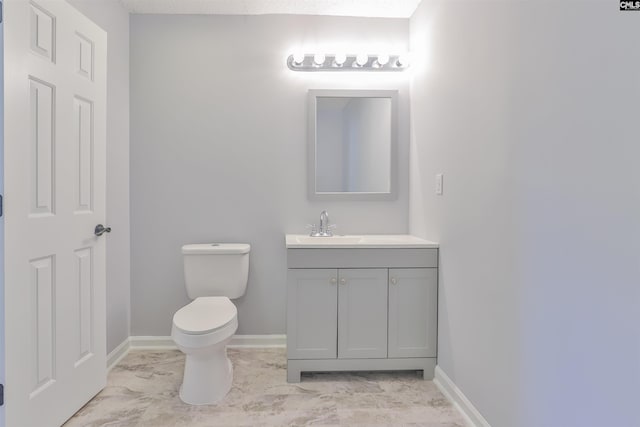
(362,313)
(55,118)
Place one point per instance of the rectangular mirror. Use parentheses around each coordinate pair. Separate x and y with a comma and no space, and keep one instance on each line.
(352,144)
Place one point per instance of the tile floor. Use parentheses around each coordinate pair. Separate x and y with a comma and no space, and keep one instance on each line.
(142,390)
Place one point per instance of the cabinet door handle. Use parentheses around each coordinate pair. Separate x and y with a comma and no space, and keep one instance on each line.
(394,281)
(333,281)
(343,281)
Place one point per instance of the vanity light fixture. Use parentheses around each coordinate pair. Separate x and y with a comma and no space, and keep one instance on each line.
(347,62)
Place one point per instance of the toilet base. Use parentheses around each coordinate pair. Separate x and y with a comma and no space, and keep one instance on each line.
(208,376)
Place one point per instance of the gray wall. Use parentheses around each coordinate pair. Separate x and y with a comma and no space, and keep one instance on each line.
(114,19)
(530,109)
(2,326)
(218,150)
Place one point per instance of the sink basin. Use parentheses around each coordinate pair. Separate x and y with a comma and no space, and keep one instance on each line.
(369,241)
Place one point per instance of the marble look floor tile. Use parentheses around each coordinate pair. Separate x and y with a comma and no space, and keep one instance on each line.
(124,410)
(158,417)
(371,417)
(143,391)
(141,368)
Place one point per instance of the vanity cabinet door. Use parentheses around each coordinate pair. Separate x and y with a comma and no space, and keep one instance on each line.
(413,312)
(362,313)
(312,300)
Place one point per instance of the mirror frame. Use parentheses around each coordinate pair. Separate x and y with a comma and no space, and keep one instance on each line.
(314,94)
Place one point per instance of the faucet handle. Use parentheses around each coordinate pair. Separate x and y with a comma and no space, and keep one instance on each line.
(328,231)
(312,227)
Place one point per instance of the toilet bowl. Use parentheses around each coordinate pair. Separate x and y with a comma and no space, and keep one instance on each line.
(213,273)
(201,330)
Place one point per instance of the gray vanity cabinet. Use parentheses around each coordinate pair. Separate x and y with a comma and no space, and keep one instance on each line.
(361,309)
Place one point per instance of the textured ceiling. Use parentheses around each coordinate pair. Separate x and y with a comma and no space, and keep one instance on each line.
(366,8)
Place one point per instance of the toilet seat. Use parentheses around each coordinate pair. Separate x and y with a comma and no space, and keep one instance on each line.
(205,315)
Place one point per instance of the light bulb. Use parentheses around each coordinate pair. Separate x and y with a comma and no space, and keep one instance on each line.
(318,59)
(339,59)
(402,61)
(361,59)
(383,59)
(380,61)
(298,58)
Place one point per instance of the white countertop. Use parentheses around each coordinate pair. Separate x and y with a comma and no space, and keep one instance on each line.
(365,241)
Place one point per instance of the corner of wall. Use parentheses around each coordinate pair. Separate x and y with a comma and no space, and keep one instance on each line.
(471,415)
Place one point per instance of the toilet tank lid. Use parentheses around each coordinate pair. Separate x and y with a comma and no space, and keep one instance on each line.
(216,248)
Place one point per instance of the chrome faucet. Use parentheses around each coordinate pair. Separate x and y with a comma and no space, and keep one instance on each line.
(324,223)
(325,228)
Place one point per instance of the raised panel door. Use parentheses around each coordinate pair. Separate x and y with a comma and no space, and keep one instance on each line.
(54,179)
(413,312)
(362,313)
(312,313)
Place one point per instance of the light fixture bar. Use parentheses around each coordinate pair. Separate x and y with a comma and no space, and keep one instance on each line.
(342,62)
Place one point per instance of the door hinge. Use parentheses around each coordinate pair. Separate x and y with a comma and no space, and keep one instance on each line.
(1,205)
(1,394)
(1,12)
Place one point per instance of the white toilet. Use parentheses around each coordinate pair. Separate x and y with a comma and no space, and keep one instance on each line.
(213,273)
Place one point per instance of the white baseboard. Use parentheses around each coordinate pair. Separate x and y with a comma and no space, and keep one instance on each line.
(118,353)
(472,416)
(258,341)
(238,341)
(152,343)
(166,343)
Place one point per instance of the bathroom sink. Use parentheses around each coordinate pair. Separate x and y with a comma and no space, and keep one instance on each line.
(367,241)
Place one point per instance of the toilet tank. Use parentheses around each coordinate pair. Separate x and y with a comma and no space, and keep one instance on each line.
(216,269)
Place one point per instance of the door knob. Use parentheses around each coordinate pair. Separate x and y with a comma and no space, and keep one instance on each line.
(101,229)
